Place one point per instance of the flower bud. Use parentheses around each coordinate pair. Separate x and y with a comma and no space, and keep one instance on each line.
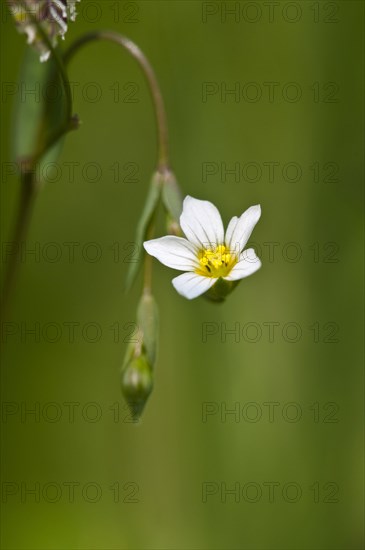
(140,358)
(137,384)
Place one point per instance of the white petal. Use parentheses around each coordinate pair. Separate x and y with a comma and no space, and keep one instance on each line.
(191,285)
(229,232)
(239,229)
(175,252)
(248,264)
(202,223)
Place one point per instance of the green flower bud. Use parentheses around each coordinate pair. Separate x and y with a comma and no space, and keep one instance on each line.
(137,384)
(220,290)
(140,358)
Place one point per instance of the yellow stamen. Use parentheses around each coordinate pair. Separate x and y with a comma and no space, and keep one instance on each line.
(215,262)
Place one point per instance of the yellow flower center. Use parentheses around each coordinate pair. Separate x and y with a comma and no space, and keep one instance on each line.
(215,262)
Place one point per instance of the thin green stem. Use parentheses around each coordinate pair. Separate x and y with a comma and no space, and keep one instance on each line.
(149,74)
(28,192)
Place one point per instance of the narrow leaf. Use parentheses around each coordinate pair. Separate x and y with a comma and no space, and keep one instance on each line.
(172,196)
(143,225)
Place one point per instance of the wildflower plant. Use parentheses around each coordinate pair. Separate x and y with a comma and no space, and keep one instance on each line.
(213,260)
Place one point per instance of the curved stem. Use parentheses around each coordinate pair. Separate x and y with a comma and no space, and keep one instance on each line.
(149,74)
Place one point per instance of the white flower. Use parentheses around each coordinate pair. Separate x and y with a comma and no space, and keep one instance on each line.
(207,254)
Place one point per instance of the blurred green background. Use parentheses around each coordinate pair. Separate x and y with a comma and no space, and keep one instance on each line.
(294,450)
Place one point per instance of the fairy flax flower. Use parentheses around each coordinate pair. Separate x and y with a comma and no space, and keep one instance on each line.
(53,15)
(207,254)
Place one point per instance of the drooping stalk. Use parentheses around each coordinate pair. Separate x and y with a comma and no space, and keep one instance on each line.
(149,74)
(158,104)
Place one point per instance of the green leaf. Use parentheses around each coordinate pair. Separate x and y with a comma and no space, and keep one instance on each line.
(147,320)
(129,354)
(172,196)
(143,225)
(39,110)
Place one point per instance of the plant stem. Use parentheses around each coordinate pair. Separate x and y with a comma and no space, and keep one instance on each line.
(28,193)
(149,74)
